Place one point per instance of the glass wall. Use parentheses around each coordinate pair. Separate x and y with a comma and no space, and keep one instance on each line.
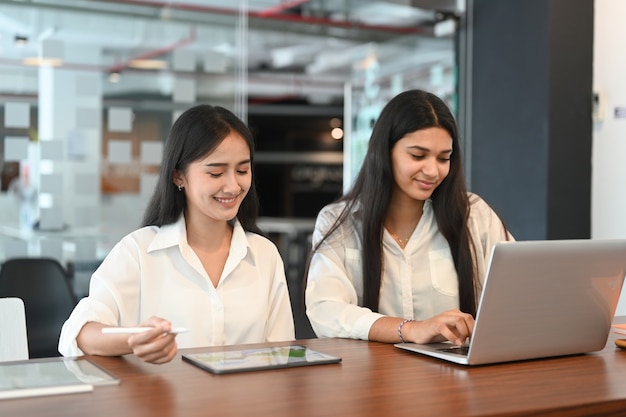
(89,89)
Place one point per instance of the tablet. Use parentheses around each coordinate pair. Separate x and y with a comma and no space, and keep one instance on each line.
(39,377)
(229,361)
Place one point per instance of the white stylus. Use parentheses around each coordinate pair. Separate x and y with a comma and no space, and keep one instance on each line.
(134,330)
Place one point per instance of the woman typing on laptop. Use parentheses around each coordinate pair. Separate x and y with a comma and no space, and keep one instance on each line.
(401,257)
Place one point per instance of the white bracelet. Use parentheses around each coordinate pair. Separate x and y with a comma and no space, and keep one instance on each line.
(400,329)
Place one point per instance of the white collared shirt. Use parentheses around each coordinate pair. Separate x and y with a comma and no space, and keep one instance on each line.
(418,282)
(154,272)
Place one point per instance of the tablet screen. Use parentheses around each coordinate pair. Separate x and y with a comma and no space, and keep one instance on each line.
(259,358)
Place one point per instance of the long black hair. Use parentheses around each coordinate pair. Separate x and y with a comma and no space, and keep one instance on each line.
(370,196)
(196,133)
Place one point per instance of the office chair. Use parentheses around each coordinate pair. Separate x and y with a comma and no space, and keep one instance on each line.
(13,341)
(43,285)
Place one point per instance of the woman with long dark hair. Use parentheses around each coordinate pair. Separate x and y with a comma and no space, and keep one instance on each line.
(402,255)
(198,262)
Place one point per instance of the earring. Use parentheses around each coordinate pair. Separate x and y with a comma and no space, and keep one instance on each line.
(180,188)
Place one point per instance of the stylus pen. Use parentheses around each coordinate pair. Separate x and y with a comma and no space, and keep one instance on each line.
(134,330)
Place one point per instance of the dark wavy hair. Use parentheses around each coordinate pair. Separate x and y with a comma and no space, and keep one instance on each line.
(195,134)
(370,195)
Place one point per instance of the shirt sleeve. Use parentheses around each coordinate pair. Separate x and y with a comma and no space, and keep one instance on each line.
(486,225)
(87,310)
(112,285)
(486,229)
(331,296)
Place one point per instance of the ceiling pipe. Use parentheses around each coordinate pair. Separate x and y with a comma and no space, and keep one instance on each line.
(260,86)
(270,11)
(157,52)
(294,87)
(275,16)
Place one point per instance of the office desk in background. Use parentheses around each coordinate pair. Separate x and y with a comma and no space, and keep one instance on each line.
(374,379)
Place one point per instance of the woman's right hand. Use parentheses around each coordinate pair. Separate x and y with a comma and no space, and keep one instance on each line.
(156,345)
(452,325)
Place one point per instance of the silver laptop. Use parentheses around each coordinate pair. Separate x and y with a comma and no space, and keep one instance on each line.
(542,299)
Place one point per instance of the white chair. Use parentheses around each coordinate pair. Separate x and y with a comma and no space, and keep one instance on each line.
(13,339)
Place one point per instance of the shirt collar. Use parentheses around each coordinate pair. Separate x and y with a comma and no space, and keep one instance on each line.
(169,235)
(428,206)
(174,234)
(239,244)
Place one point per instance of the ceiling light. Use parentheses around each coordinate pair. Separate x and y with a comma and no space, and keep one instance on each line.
(335,122)
(20,40)
(337,133)
(147,64)
(42,62)
(114,77)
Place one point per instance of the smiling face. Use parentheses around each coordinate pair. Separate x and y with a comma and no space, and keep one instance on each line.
(420,162)
(216,184)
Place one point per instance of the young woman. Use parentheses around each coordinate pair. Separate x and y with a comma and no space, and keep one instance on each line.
(401,257)
(199,262)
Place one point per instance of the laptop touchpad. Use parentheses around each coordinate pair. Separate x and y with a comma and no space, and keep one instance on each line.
(458,350)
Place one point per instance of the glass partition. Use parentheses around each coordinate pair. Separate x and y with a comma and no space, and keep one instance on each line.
(89,89)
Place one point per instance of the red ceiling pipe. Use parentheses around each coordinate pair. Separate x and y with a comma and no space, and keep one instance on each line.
(281,8)
(262,15)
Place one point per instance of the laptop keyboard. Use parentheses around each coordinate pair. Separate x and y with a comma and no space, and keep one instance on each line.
(458,350)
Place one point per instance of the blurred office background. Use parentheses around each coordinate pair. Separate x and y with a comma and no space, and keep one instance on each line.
(89,89)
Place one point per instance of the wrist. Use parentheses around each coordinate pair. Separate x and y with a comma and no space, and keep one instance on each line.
(401,327)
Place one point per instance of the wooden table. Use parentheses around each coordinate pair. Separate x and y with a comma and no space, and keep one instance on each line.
(374,379)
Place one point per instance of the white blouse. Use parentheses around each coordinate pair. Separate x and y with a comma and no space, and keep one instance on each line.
(418,282)
(154,272)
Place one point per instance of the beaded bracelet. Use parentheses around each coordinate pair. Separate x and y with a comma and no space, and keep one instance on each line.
(400,329)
